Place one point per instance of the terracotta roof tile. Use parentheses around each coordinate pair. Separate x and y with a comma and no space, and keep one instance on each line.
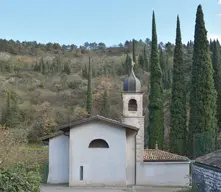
(159,155)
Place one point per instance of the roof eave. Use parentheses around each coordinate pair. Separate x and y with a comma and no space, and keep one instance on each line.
(168,160)
(99,118)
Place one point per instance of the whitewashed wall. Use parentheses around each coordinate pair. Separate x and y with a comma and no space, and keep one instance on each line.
(163,173)
(104,166)
(58,160)
(131,146)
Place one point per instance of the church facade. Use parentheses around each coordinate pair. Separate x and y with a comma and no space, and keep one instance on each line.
(97,151)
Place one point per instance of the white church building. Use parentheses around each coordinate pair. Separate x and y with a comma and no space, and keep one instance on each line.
(97,151)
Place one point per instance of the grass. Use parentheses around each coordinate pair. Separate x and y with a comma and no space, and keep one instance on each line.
(34,147)
(26,154)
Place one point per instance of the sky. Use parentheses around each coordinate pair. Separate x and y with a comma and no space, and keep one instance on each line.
(111,22)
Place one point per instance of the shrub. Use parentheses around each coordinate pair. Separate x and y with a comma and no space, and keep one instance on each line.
(74,84)
(20,178)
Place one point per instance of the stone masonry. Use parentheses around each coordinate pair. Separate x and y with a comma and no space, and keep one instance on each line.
(207,179)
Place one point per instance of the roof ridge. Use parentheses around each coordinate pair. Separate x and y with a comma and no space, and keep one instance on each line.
(158,154)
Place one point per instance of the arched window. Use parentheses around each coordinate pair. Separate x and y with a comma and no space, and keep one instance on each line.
(132,105)
(98,143)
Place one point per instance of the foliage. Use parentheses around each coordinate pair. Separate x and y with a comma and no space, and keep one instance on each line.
(66,69)
(156,120)
(136,66)
(53,67)
(146,66)
(20,178)
(166,61)
(79,112)
(200,141)
(7,143)
(57,74)
(11,115)
(216,60)
(203,93)
(43,124)
(178,131)
(127,65)
(89,89)
(105,105)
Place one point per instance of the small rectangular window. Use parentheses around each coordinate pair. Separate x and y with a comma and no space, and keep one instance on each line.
(81,172)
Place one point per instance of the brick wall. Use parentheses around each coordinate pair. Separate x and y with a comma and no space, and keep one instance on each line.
(206,178)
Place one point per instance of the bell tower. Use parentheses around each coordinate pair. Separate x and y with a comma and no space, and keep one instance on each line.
(133,110)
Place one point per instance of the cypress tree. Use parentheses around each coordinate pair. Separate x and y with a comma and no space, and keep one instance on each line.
(216,60)
(203,95)
(141,62)
(156,120)
(161,59)
(11,114)
(136,67)
(126,65)
(178,104)
(146,63)
(134,51)
(105,105)
(66,69)
(89,89)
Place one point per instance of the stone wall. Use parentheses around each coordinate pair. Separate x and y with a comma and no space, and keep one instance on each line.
(206,178)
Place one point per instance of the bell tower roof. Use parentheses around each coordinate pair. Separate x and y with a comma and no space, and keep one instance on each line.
(131,82)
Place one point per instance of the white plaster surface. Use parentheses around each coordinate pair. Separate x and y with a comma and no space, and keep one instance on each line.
(58,160)
(102,166)
(131,158)
(163,173)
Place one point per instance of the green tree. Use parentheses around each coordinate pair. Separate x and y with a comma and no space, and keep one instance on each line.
(89,88)
(161,59)
(126,64)
(134,50)
(203,94)
(42,66)
(67,68)
(156,119)
(146,63)
(178,129)
(136,67)
(216,60)
(167,66)
(11,115)
(187,59)
(105,105)
(85,72)
(141,62)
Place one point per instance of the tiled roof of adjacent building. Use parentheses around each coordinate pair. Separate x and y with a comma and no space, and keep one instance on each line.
(212,159)
(159,155)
